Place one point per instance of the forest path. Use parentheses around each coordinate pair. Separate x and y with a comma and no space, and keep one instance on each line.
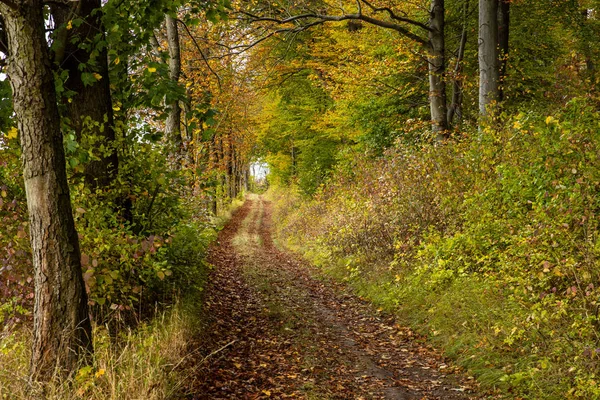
(276,331)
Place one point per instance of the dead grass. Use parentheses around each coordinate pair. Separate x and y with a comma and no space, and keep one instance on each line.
(138,364)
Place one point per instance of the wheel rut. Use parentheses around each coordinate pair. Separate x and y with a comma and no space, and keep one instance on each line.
(275,329)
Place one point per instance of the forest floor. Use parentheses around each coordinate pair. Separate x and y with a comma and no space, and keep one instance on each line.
(274,328)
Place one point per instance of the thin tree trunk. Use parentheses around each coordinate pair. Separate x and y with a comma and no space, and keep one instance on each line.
(173,125)
(455,109)
(223,169)
(214,166)
(293,151)
(230,177)
(62,329)
(503,36)
(437,69)
(488,55)
(587,36)
(90,110)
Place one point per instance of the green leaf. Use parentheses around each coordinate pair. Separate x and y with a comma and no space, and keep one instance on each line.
(88,78)
(212,15)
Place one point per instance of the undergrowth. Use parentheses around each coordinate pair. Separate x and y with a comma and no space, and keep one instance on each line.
(138,358)
(488,244)
(140,363)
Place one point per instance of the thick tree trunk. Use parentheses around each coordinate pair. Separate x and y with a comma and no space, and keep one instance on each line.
(62,329)
(488,55)
(90,111)
(503,35)
(437,69)
(173,124)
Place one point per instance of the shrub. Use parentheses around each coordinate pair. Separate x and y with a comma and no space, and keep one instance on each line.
(490,244)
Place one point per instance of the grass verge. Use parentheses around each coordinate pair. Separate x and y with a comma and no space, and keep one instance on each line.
(141,362)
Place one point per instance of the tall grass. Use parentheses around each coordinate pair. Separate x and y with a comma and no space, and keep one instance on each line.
(141,363)
(146,360)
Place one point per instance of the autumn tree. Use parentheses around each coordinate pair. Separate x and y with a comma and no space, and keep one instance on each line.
(62,329)
(429,36)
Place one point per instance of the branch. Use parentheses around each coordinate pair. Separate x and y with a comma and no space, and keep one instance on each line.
(201,52)
(156,48)
(397,17)
(321,18)
(10,4)
(3,37)
(245,47)
(397,28)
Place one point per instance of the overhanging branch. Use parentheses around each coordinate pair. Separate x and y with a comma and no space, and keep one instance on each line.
(201,52)
(241,48)
(396,17)
(316,19)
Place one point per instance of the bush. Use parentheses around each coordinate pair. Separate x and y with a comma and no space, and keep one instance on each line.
(489,244)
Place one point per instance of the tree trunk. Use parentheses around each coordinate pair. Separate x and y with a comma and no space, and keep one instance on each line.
(90,110)
(62,329)
(455,109)
(503,35)
(437,69)
(587,37)
(230,177)
(173,125)
(488,55)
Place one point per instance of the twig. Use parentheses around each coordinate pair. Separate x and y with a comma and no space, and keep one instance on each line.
(201,52)
(217,351)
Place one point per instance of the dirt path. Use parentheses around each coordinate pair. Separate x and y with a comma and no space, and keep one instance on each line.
(275,331)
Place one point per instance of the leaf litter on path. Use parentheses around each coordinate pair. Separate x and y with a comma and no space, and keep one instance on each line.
(273,331)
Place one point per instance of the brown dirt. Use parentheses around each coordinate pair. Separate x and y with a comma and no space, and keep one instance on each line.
(276,329)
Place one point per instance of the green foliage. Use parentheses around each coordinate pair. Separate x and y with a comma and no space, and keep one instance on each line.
(16,292)
(131,234)
(297,150)
(488,245)
(186,254)
(6,109)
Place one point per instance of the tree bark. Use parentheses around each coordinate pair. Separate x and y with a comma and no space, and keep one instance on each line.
(455,109)
(488,55)
(62,329)
(173,124)
(91,103)
(437,70)
(503,36)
